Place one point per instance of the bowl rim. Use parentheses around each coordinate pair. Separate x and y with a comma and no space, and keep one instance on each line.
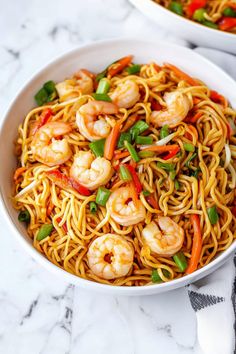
(190,22)
(72,278)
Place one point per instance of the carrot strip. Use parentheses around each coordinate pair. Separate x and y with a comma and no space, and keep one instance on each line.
(161,149)
(152,201)
(130,122)
(217,98)
(64,226)
(134,194)
(18,172)
(194,118)
(121,155)
(111,141)
(196,246)
(43,119)
(50,208)
(118,66)
(196,100)
(182,75)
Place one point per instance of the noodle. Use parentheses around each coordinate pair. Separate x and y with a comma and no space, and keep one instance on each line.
(204,176)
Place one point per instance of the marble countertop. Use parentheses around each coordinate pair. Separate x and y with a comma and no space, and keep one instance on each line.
(39,313)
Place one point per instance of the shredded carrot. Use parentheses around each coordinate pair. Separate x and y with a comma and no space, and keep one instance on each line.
(196,100)
(134,194)
(218,98)
(196,244)
(152,201)
(18,172)
(118,66)
(194,118)
(232,5)
(50,208)
(111,141)
(121,155)
(161,149)
(182,75)
(156,67)
(130,122)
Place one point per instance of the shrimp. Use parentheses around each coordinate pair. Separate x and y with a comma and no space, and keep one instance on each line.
(69,89)
(178,106)
(90,125)
(90,172)
(122,208)
(163,236)
(110,256)
(126,94)
(48,150)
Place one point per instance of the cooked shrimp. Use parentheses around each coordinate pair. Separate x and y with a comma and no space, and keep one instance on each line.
(110,256)
(126,94)
(82,82)
(48,150)
(164,236)
(122,208)
(178,106)
(89,171)
(90,125)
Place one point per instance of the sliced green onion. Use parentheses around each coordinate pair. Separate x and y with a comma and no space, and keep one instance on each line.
(132,151)
(101,75)
(46,94)
(199,15)
(123,137)
(177,185)
(190,159)
(172,175)
(101,97)
(181,261)
(102,196)
(176,8)
(44,231)
(93,207)
(133,69)
(164,132)
(125,174)
(189,147)
(156,277)
(195,173)
(24,216)
(138,128)
(146,154)
(212,215)
(144,140)
(210,24)
(166,166)
(146,193)
(103,86)
(41,97)
(229,12)
(50,88)
(97,147)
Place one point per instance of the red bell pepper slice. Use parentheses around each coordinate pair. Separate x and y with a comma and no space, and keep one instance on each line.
(227,23)
(171,154)
(44,117)
(152,201)
(195,5)
(137,183)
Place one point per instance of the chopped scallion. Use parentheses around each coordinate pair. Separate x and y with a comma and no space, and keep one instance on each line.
(181,261)
(146,154)
(101,97)
(133,69)
(164,132)
(93,207)
(187,163)
(24,216)
(144,140)
(166,166)
(125,174)
(124,136)
(138,128)
(102,196)
(189,147)
(146,193)
(97,147)
(156,277)
(103,86)
(46,94)
(177,185)
(213,215)
(132,151)
(172,175)
(44,231)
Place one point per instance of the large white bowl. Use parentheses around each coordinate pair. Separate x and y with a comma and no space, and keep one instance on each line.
(96,57)
(190,30)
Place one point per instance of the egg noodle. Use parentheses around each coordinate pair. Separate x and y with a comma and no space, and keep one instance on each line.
(218,14)
(203,179)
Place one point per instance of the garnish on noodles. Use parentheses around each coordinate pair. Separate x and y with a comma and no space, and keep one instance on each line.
(127,177)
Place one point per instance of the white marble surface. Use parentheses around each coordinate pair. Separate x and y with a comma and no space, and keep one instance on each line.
(41,314)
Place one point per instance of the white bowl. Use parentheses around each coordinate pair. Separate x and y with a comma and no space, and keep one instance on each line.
(187,29)
(96,57)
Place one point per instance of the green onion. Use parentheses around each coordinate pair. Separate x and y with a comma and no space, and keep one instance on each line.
(177,185)
(176,8)
(181,261)
(44,231)
(101,75)
(103,86)
(164,132)
(46,94)
(166,166)
(189,147)
(134,69)
(123,137)
(102,196)
(172,175)
(146,154)
(229,12)
(138,128)
(195,173)
(132,151)
(93,207)
(101,97)
(156,277)
(210,24)
(144,140)
(199,15)
(146,193)
(97,147)
(190,159)
(125,174)
(24,216)
(212,215)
